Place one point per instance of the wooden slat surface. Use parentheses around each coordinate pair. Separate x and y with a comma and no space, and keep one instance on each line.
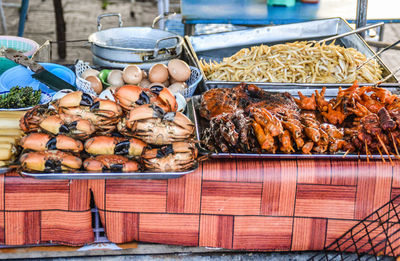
(236,204)
(254,204)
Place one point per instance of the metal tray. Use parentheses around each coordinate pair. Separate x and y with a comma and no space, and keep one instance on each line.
(201,123)
(220,45)
(108,175)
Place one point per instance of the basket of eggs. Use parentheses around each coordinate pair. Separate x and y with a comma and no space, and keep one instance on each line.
(177,76)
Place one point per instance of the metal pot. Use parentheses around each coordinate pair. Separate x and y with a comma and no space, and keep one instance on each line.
(133,45)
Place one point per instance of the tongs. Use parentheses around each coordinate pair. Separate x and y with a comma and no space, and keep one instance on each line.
(358,30)
(378,53)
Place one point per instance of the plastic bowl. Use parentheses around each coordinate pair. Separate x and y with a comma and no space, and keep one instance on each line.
(44,99)
(21,76)
(25,45)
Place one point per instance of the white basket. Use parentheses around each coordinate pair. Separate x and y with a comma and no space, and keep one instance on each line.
(83,85)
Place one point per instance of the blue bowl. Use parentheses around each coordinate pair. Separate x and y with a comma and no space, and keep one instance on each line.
(21,76)
(44,99)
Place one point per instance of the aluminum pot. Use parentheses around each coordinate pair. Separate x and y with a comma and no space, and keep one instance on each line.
(137,45)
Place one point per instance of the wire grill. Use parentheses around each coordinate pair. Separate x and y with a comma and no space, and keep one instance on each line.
(376,236)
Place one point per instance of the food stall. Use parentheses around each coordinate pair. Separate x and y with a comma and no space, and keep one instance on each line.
(274,141)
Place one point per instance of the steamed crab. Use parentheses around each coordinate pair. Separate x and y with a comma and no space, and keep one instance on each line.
(151,124)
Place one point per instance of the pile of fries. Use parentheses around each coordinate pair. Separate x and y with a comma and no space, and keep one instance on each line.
(298,62)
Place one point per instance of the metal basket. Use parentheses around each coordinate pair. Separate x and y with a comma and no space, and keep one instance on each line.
(376,235)
(83,85)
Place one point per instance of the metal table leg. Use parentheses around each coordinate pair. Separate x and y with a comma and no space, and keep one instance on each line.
(361,18)
(22,17)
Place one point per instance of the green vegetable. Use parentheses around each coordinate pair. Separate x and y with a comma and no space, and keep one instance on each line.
(20,97)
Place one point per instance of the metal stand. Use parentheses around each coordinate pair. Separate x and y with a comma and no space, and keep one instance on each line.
(361,17)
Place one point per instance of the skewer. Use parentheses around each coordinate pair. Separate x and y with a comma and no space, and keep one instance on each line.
(387,77)
(383,159)
(366,150)
(386,150)
(347,152)
(395,146)
(378,53)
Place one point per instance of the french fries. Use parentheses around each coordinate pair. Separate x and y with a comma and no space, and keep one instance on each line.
(298,62)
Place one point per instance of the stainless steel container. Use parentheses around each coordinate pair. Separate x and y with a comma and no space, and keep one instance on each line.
(217,46)
(117,47)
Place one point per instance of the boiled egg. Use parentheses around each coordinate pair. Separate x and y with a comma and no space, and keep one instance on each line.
(95,83)
(132,74)
(177,87)
(158,73)
(89,72)
(115,78)
(179,70)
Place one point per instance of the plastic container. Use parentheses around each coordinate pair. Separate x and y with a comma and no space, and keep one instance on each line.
(287,3)
(21,76)
(25,45)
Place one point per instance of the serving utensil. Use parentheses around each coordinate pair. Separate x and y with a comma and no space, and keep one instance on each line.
(378,53)
(360,29)
(41,74)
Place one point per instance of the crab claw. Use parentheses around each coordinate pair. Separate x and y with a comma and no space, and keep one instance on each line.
(129,96)
(165,97)
(110,162)
(74,99)
(103,145)
(42,141)
(49,161)
(145,112)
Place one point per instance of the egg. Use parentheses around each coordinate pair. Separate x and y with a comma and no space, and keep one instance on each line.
(144,83)
(132,74)
(115,78)
(95,83)
(144,74)
(179,70)
(177,87)
(158,73)
(89,72)
(166,83)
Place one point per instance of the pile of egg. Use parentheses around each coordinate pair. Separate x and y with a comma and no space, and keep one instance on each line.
(172,76)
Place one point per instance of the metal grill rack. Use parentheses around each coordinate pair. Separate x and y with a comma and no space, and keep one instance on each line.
(376,236)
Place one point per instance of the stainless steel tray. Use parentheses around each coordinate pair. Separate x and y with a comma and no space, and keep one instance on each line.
(218,46)
(200,124)
(107,175)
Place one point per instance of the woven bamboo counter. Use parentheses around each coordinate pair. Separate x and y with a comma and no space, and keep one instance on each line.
(284,205)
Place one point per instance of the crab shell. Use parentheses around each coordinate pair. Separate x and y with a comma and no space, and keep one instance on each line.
(110,162)
(49,161)
(103,145)
(178,156)
(152,125)
(42,141)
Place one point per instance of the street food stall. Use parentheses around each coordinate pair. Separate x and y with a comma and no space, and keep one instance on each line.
(276,140)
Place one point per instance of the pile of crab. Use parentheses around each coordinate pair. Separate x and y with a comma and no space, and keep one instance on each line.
(141,130)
